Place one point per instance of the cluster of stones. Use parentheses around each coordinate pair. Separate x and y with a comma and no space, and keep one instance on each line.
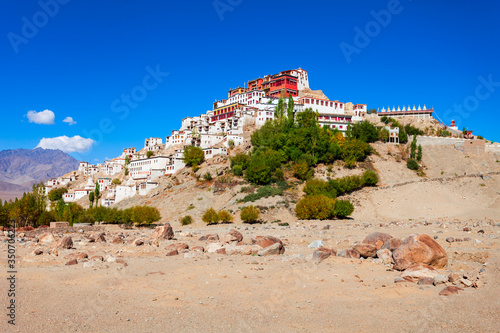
(419,257)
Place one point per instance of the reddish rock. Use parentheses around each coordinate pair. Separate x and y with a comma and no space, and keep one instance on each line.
(377,239)
(426,281)
(321,254)
(454,278)
(177,246)
(419,271)
(392,244)
(466,229)
(46,238)
(121,261)
(198,249)
(100,237)
(265,241)
(138,242)
(349,253)
(37,252)
(275,249)
(213,247)
(117,240)
(450,290)
(210,238)
(232,236)
(172,253)
(450,239)
(163,232)
(221,251)
(90,239)
(63,243)
(419,248)
(366,250)
(97,258)
(385,255)
(77,255)
(72,262)
(236,234)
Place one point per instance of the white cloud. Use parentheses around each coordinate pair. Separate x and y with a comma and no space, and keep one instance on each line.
(66,144)
(69,120)
(45,117)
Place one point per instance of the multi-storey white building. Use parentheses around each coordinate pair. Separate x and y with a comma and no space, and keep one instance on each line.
(141,169)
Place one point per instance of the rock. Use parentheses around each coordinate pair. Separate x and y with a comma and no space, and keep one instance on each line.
(77,255)
(138,242)
(221,251)
(177,246)
(377,239)
(242,249)
(426,281)
(265,241)
(466,229)
(385,255)
(90,239)
(196,255)
(366,250)
(419,248)
(450,290)
(155,243)
(110,258)
(63,243)
(100,237)
(233,236)
(54,252)
(172,253)
(450,239)
(465,282)
(418,271)
(467,239)
(316,244)
(117,240)
(392,244)
(454,278)
(97,258)
(37,252)
(46,238)
(213,247)
(399,279)
(349,253)
(321,254)
(163,232)
(199,249)
(440,279)
(121,261)
(210,238)
(275,249)
(480,231)
(72,262)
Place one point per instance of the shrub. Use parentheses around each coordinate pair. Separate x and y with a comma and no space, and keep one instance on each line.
(343,208)
(315,207)
(412,164)
(383,135)
(370,178)
(250,214)
(240,159)
(230,143)
(116,181)
(145,214)
(185,220)
(56,193)
(149,153)
(354,150)
(193,156)
(238,170)
(207,176)
(262,165)
(225,216)
(364,131)
(210,216)
(319,187)
(300,169)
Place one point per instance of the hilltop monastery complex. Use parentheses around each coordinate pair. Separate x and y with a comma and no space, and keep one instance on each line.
(217,129)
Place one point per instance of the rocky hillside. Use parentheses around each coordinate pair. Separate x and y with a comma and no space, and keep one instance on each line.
(20,168)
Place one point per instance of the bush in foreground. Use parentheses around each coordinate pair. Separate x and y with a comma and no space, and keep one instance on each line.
(186,220)
(343,208)
(225,216)
(412,164)
(315,207)
(210,216)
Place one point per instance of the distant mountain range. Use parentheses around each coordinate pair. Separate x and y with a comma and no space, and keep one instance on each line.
(20,168)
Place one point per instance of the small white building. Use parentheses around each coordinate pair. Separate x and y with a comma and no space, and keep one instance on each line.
(211,152)
(141,169)
(83,166)
(81,192)
(68,197)
(125,191)
(106,202)
(103,183)
(145,187)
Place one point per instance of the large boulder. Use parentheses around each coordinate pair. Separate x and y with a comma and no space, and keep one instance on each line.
(46,238)
(366,250)
(418,271)
(349,253)
(419,248)
(265,241)
(385,255)
(63,243)
(392,244)
(163,232)
(214,247)
(77,255)
(242,249)
(177,246)
(377,239)
(232,236)
(210,238)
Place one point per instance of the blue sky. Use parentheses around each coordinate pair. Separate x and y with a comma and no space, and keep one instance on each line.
(81,59)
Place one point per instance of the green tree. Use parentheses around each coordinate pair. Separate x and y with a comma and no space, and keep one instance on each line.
(225,216)
(193,156)
(289,108)
(97,193)
(72,213)
(149,153)
(127,160)
(419,153)
(56,193)
(413,147)
(412,164)
(280,108)
(91,198)
(365,131)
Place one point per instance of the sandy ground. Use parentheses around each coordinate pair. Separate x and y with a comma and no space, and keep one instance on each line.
(285,293)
